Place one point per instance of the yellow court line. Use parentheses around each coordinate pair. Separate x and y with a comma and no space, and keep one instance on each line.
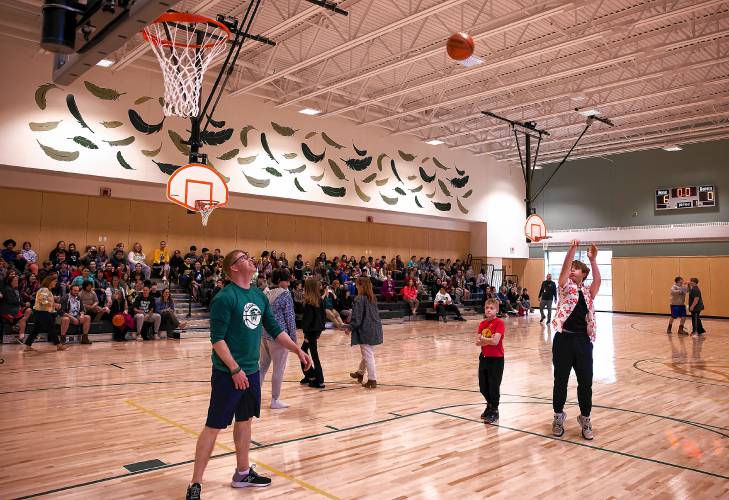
(269,468)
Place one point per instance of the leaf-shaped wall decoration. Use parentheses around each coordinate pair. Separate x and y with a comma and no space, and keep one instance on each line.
(394,171)
(412,177)
(167,168)
(444,188)
(360,152)
(258,183)
(458,182)
(461,207)
(425,159)
(266,147)
(280,129)
(273,171)
(417,202)
(102,93)
(443,207)
(467,193)
(73,108)
(369,178)
(379,161)
(83,141)
(317,178)
(122,161)
(247,160)
(298,185)
(41,94)
(424,175)
(216,137)
(400,191)
(460,172)
(57,154)
(382,182)
(331,141)
(142,100)
(360,193)
(161,101)
(290,156)
(121,142)
(310,135)
(296,170)
(216,123)
(388,200)
(310,155)
(358,164)
(431,194)
(417,189)
(43,126)
(151,153)
(439,164)
(179,142)
(229,155)
(112,124)
(406,156)
(337,192)
(244,134)
(336,170)
(146,128)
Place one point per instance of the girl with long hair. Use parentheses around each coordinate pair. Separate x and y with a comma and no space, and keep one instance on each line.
(366,330)
(312,324)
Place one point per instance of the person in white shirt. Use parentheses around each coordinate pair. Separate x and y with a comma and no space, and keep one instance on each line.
(444,304)
(136,256)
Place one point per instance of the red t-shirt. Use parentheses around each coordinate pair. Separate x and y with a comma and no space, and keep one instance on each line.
(487,328)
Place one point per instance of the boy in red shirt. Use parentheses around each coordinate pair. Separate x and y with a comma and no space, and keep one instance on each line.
(490,338)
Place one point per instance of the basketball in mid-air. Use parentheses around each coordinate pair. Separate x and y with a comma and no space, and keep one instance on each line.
(460,46)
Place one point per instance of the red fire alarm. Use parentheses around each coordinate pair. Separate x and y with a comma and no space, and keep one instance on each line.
(370,218)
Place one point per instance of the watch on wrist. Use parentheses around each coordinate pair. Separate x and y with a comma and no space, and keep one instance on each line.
(237,370)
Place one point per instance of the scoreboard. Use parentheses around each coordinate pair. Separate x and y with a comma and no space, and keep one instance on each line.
(685,197)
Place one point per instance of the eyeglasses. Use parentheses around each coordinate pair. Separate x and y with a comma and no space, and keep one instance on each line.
(243,256)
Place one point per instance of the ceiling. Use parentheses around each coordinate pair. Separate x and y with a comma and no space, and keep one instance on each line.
(658,69)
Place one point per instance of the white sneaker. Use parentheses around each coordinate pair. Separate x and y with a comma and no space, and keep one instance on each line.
(277,404)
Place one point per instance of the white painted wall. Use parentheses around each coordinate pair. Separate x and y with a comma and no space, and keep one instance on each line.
(497,190)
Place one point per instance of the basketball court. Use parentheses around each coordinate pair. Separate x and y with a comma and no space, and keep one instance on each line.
(493,132)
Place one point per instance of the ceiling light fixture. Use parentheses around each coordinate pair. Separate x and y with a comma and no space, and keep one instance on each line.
(672,147)
(309,111)
(105,63)
(588,112)
(471,61)
(434,142)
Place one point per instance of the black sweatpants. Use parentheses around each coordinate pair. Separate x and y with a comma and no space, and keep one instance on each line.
(443,309)
(696,326)
(490,372)
(43,321)
(310,346)
(572,350)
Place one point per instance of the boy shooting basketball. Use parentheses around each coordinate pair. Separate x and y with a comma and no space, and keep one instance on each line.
(237,315)
(490,337)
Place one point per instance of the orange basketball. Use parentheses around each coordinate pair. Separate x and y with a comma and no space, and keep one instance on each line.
(118,320)
(460,46)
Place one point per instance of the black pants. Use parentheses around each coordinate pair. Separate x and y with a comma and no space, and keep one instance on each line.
(572,350)
(442,309)
(696,326)
(43,321)
(315,373)
(490,372)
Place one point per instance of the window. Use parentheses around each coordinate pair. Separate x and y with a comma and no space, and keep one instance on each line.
(604,300)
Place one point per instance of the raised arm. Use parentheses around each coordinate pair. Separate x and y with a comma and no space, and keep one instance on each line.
(595,286)
(565,273)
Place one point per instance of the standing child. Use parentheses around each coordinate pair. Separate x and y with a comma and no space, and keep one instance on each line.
(312,324)
(490,337)
(678,305)
(696,305)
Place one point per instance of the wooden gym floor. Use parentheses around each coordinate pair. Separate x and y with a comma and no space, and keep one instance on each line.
(71,421)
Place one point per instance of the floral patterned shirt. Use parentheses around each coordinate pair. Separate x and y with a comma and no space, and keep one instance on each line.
(569,295)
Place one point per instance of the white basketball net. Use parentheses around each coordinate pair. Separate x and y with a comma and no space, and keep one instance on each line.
(184,58)
(205,208)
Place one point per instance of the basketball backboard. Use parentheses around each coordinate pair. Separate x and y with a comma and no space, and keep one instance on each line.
(196,183)
(534,228)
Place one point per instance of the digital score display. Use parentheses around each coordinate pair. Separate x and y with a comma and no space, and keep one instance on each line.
(685,197)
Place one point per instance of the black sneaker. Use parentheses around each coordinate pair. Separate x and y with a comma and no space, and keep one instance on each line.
(316,385)
(193,492)
(304,381)
(492,417)
(252,479)
(485,414)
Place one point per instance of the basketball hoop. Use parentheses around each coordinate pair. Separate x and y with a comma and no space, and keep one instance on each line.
(535,229)
(205,208)
(185,44)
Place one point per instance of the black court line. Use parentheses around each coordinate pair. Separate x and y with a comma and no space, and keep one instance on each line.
(393,413)
(332,427)
(635,365)
(120,367)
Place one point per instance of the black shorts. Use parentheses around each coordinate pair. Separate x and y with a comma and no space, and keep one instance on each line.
(226,401)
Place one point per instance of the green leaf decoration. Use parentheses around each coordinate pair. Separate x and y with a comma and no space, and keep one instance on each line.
(310,155)
(379,161)
(122,161)
(83,141)
(229,155)
(112,124)
(142,126)
(458,182)
(358,164)
(388,200)
(121,142)
(258,183)
(400,191)
(285,131)
(41,92)
(247,160)
(425,159)
(216,123)
(290,156)
(444,188)
(460,172)
(394,171)
(336,170)
(467,194)
(298,185)
(317,178)
(361,194)
(179,142)
(244,134)
(151,153)
(439,164)
(216,137)
(360,152)
(59,155)
(337,192)
(296,170)
(103,93)
(424,175)
(167,168)
(369,178)
(431,194)
(417,189)
(43,126)
(266,148)
(310,135)
(161,101)
(406,156)
(331,141)
(412,177)
(273,171)
(417,202)
(461,207)
(443,207)
(73,108)
(382,182)
(142,100)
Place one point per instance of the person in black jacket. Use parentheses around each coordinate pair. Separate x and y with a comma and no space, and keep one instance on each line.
(312,324)
(547,296)
(12,308)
